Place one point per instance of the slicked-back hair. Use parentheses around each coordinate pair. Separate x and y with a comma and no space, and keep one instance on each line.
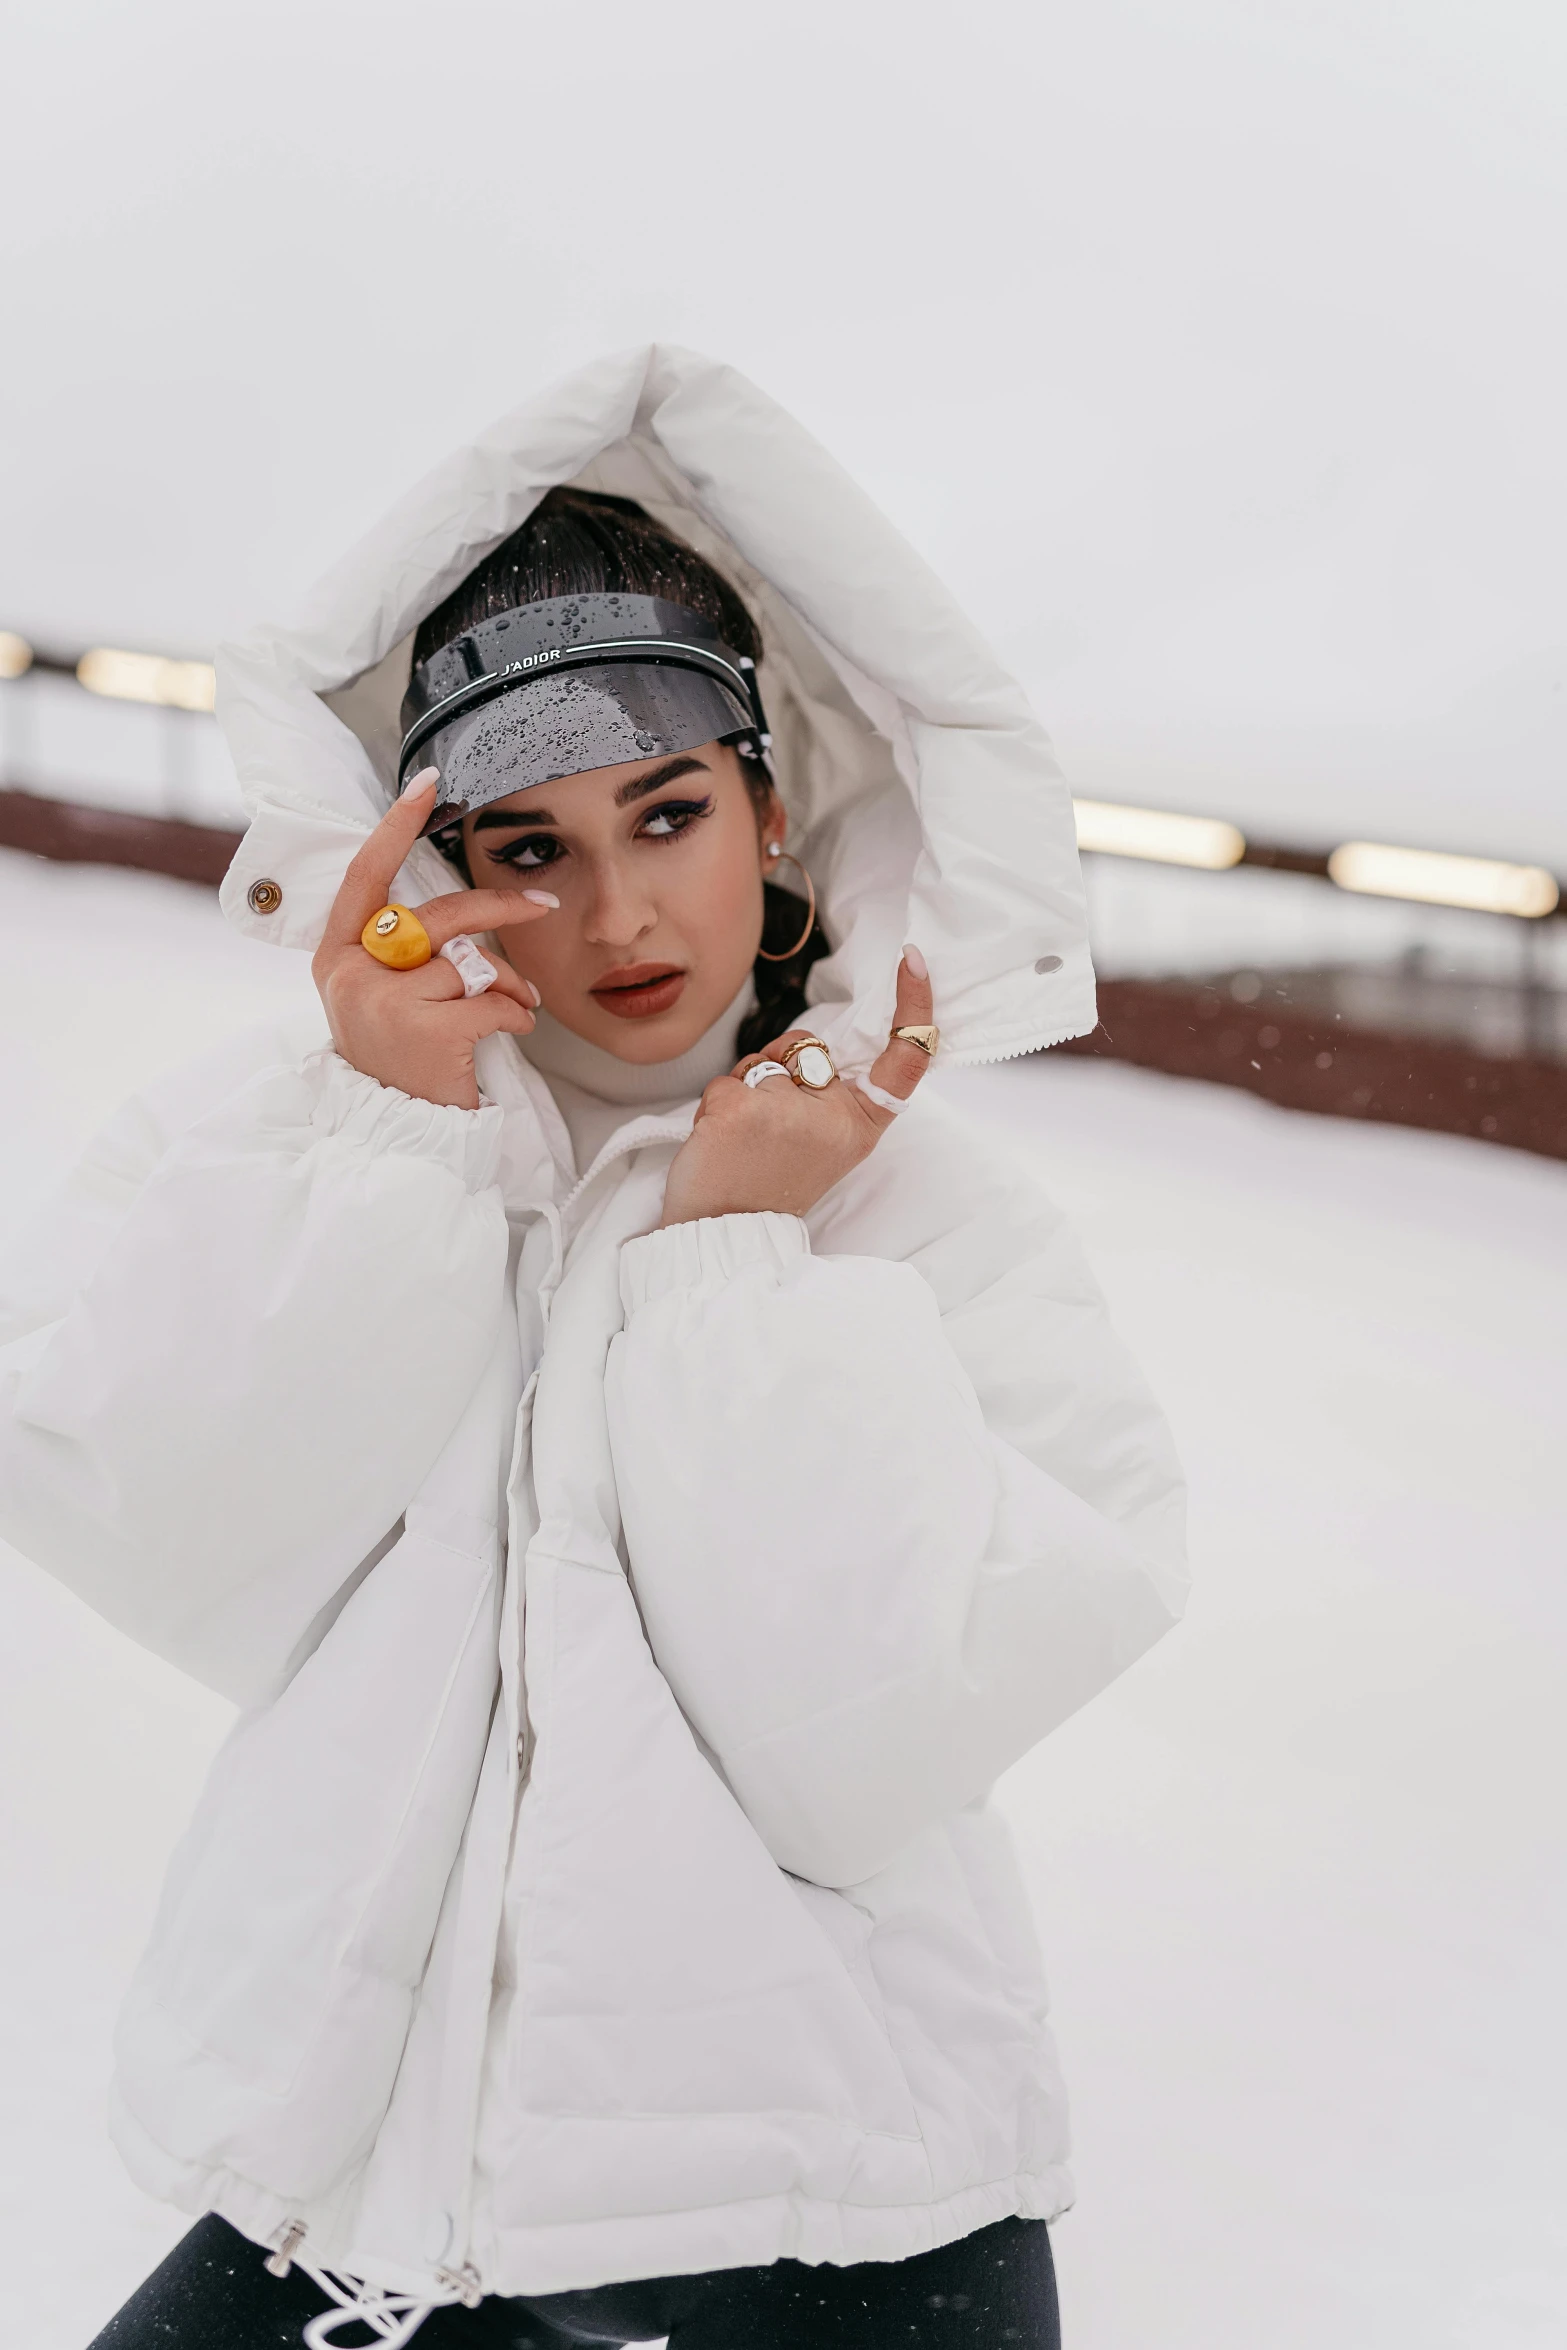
(584,543)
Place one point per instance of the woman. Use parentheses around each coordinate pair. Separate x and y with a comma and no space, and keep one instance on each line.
(640,1487)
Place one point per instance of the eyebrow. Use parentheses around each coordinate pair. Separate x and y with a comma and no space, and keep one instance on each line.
(638,788)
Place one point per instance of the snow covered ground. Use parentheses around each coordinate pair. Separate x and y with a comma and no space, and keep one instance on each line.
(1302,1875)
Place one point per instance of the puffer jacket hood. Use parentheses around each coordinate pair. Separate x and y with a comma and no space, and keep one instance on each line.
(921,790)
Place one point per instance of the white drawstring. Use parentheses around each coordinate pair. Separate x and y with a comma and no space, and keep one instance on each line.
(394,2318)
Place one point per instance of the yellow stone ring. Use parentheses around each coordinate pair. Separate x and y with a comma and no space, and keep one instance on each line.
(397,938)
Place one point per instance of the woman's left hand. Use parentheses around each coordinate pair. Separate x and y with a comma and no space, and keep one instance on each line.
(779,1146)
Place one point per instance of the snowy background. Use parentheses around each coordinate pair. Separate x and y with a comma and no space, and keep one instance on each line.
(1214,350)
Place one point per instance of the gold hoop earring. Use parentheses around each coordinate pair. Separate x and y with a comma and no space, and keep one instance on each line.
(774,850)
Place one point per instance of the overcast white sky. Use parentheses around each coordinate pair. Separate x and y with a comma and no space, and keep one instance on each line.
(1214,349)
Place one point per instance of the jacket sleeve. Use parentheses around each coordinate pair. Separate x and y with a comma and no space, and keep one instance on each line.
(231,1360)
(868,1601)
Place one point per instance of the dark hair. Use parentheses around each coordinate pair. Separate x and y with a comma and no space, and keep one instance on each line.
(584,542)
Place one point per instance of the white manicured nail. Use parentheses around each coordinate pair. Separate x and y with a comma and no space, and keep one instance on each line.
(533,994)
(417,782)
(916,962)
(540,897)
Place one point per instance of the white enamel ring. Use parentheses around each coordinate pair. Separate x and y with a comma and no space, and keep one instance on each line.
(474,969)
(893,1103)
(765,1069)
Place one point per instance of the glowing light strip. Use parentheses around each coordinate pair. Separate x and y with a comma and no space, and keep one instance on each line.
(147,677)
(1155,833)
(1431,877)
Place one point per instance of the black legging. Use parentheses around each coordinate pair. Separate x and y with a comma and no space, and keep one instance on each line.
(991,2289)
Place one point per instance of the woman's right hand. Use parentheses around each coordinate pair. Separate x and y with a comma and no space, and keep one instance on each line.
(416,1030)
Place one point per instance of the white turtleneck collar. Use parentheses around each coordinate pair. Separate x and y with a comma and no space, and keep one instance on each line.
(596,1092)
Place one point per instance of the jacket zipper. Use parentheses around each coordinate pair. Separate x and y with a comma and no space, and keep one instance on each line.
(462,2278)
(616,1148)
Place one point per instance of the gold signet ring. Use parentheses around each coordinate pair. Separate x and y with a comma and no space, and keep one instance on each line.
(397,937)
(808,1062)
(926,1038)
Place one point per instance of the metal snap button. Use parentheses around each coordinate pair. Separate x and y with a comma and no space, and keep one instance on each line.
(264,897)
(1047,964)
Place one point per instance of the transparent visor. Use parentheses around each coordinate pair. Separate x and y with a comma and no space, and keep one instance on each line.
(545,728)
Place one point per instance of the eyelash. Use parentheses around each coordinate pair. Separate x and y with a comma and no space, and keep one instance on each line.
(688,811)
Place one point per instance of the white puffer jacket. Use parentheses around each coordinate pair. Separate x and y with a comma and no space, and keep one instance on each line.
(628,1624)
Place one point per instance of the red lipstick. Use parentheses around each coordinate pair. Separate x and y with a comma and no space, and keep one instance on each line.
(638,991)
